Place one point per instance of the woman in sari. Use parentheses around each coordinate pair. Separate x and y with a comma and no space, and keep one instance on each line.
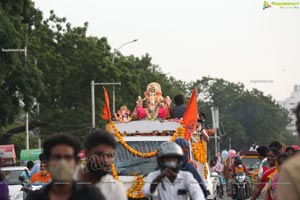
(272,185)
(272,160)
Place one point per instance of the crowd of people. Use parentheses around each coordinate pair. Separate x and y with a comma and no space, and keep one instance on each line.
(62,177)
(278,175)
(271,160)
(176,176)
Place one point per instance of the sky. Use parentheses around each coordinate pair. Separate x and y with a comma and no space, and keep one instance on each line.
(230,39)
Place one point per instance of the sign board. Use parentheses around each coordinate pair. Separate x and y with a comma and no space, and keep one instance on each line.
(31,154)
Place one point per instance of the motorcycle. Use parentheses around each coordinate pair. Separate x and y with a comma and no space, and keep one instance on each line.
(240,189)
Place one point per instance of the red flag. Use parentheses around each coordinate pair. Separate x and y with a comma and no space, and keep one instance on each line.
(106,108)
(190,116)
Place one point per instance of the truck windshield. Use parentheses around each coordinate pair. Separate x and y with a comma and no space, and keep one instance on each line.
(128,164)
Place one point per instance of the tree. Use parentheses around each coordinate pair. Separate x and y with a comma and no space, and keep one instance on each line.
(20,79)
(69,59)
(245,116)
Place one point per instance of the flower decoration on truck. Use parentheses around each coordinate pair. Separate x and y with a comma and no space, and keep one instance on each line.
(179,131)
(199,151)
(135,191)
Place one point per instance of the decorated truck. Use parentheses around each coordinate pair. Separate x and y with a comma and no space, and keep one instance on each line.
(141,132)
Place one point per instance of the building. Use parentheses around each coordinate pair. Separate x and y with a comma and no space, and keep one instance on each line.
(290,104)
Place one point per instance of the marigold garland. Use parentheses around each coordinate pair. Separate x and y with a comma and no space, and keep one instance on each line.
(182,132)
(205,172)
(135,191)
(199,151)
(112,125)
(114,172)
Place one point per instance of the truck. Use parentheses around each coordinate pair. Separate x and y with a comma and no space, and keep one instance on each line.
(135,153)
(139,139)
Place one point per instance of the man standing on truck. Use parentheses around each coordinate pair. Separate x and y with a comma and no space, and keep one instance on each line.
(179,108)
(169,182)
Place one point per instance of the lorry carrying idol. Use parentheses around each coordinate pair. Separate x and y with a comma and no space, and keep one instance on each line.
(141,132)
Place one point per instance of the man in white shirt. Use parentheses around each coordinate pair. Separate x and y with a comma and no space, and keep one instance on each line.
(262,155)
(100,152)
(169,182)
(253,147)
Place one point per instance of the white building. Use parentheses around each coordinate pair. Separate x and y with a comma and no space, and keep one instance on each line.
(290,104)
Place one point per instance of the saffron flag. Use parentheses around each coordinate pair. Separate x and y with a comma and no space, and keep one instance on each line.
(190,116)
(106,108)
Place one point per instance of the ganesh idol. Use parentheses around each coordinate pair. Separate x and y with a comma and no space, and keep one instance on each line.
(154,105)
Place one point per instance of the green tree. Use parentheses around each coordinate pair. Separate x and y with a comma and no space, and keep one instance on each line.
(20,79)
(245,116)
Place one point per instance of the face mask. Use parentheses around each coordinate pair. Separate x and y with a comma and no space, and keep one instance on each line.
(171,164)
(62,171)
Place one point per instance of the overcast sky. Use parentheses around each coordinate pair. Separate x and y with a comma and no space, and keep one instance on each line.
(231,39)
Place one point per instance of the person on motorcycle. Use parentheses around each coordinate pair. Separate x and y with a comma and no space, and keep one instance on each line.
(219,168)
(237,168)
(169,182)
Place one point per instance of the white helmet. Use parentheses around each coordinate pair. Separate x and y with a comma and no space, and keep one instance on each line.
(169,149)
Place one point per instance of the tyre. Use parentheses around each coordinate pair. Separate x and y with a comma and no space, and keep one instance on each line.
(240,194)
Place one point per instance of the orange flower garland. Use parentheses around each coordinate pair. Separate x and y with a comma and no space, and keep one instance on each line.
(180,130)
(205,172)
(135,191)
(199,151)
(114,172)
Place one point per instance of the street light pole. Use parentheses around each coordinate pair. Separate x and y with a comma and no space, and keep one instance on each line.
(215,119)
(116,50)
(27,114)
(93,84)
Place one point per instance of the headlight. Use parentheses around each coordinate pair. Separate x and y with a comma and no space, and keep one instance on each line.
(240,179)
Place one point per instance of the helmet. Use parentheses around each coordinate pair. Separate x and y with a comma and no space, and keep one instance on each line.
(237,160)
(169,149)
